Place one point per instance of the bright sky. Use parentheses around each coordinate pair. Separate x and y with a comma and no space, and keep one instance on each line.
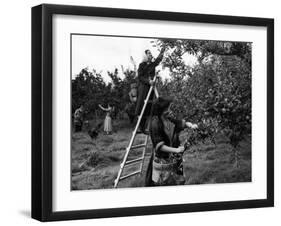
(104,53)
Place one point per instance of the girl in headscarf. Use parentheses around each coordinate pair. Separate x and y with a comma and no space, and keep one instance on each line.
(107,120)
(163,167)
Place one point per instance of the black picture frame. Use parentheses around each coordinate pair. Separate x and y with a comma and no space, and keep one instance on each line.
(42,111)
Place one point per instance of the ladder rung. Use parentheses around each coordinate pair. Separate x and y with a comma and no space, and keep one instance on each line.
(138,146)
(129,175)
(134,160)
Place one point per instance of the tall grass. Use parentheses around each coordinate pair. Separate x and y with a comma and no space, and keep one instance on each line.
(95,163)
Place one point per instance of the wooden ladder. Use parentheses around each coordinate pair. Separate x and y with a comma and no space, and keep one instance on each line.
(131,145)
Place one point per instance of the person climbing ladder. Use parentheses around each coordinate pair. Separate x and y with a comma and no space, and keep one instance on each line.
(146,74)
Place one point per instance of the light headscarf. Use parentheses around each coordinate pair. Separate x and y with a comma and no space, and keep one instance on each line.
(144,56)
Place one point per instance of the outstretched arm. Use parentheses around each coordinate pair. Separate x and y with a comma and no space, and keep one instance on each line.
(182,124)
(191,125)
(102,108)
(160,56)
(166,148)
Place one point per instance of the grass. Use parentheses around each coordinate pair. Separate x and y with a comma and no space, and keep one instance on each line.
(216,163)
(95,163)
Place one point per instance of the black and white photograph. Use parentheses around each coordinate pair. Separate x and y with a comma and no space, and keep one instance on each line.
(148,112)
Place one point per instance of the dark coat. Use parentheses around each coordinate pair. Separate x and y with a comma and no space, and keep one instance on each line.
(146,71)
(162,136)
(165,135)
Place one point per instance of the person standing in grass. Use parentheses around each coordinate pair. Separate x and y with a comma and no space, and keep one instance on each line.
(130,107)
(78,118)
(163,168)
(107,120)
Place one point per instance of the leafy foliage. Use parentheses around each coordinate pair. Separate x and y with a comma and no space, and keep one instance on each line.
(215,93)
(89,89)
